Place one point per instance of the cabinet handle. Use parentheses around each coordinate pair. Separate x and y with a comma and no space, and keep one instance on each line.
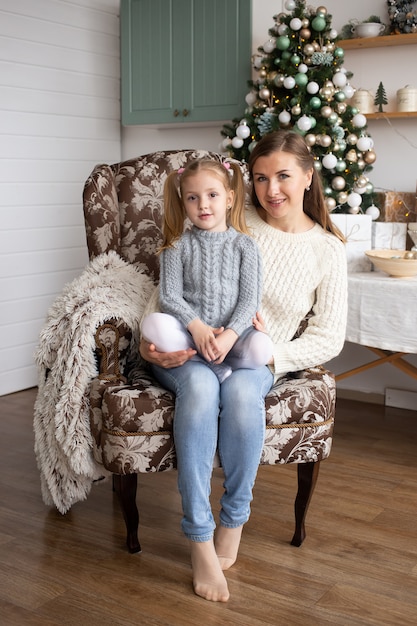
(185,112)
(176,113)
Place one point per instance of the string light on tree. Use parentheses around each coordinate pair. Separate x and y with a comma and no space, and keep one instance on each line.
(302,85)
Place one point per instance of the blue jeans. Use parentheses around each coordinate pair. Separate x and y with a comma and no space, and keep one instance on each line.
(230,417)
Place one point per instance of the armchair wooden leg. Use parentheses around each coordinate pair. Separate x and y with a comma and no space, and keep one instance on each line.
(125,485)
(307,477)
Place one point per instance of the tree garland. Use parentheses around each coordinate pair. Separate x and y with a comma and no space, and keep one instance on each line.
(403,16)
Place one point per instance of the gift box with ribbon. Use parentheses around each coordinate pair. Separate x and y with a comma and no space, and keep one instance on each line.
(358,232)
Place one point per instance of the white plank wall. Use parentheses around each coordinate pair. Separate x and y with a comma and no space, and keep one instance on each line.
(59,116)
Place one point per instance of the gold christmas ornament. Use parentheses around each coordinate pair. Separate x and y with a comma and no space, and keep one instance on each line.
(338,183)
(369,157)
(330,204)
(310,139)
(321,10)
(342,197)
(352,156)
(305,33)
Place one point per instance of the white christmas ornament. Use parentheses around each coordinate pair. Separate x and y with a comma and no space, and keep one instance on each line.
(333,33)
(295,23)
(290,5)
(243,131)
(348,91)
(313,87)
(339,79)
(269,46)
(359,120)
(364,143)
(251,98)
(289,82)
(237,142)
(354,200)
(329,161)
(304,123)
(284,117)
(282,29)
(373,211)
(303,68)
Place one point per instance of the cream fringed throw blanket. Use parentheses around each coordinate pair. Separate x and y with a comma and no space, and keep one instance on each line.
(108,288)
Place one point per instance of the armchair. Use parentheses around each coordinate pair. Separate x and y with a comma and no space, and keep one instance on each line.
(131,415)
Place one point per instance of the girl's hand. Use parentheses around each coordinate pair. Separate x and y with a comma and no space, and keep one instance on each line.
(164,359)
(225,341)
(204,337)
(258,323)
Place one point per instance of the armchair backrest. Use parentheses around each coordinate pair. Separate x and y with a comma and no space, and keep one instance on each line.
(123,205)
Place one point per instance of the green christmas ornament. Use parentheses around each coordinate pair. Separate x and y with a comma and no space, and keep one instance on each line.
(283,42)
(319,23)
(301,80)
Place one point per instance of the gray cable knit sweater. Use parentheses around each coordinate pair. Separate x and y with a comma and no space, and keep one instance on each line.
(213,276)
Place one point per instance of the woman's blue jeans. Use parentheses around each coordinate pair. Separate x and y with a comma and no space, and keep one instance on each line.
(230,417)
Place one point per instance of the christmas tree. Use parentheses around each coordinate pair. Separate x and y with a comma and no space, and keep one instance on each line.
(303,86)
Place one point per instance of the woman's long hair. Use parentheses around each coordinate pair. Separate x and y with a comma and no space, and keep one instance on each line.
(231,177)
(288,141)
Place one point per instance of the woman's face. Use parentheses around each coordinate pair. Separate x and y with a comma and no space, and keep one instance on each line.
(279,184)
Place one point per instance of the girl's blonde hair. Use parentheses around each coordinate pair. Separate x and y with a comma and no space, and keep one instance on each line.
(231,177)
(289,141)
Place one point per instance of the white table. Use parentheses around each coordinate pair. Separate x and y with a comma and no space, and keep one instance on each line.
(382,316)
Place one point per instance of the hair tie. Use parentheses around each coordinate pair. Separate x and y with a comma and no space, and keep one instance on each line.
(226,165)
(180,171)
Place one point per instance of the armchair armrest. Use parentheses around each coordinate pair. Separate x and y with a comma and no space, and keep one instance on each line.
(113,339)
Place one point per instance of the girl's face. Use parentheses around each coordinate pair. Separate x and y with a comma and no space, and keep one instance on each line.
(279,184)
(206,201)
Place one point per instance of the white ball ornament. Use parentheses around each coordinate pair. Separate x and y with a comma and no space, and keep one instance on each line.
(348,91)
(304,123)
(339,79)
(354,199)
(303,68)
(289,82)
(312,87)
(295,23)
(284,117)
(282,29)
(237,142)
(359,120)
(329,161)
(290,5)
(269,46)
(373,211)
(333,33)
(251,98)
(243,131)
(363,144)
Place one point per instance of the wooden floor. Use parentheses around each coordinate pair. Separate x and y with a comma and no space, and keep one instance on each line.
(357,566)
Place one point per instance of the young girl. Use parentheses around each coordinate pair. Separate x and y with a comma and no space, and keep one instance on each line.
(210,279)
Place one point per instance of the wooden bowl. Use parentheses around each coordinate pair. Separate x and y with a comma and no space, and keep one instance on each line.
(393,263)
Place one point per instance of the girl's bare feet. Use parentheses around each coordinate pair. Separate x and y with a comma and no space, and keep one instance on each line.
(208,579)
(227,543)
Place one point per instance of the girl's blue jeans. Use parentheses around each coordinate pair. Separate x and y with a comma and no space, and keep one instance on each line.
(230,417)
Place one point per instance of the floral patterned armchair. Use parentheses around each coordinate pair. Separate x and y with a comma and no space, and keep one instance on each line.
(131,414)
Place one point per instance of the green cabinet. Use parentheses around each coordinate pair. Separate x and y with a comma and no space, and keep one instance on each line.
(184,60)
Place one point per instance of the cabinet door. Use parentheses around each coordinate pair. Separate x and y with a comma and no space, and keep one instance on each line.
(184,60)
(147,60)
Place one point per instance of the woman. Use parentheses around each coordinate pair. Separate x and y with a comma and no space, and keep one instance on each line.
(304,269)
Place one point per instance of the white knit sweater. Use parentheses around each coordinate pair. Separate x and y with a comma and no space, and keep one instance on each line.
(302,272)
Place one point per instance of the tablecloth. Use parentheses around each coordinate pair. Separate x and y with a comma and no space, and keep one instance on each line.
(382,311)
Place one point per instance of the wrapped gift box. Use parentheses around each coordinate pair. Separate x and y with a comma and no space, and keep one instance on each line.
(390,235)
(358,232)
(397,206)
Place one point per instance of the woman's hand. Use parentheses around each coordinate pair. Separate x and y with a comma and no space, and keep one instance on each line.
(164,359)
(259,324)
(225,341)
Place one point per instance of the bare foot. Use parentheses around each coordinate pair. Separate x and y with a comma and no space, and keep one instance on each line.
(208,579)
(227,545)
